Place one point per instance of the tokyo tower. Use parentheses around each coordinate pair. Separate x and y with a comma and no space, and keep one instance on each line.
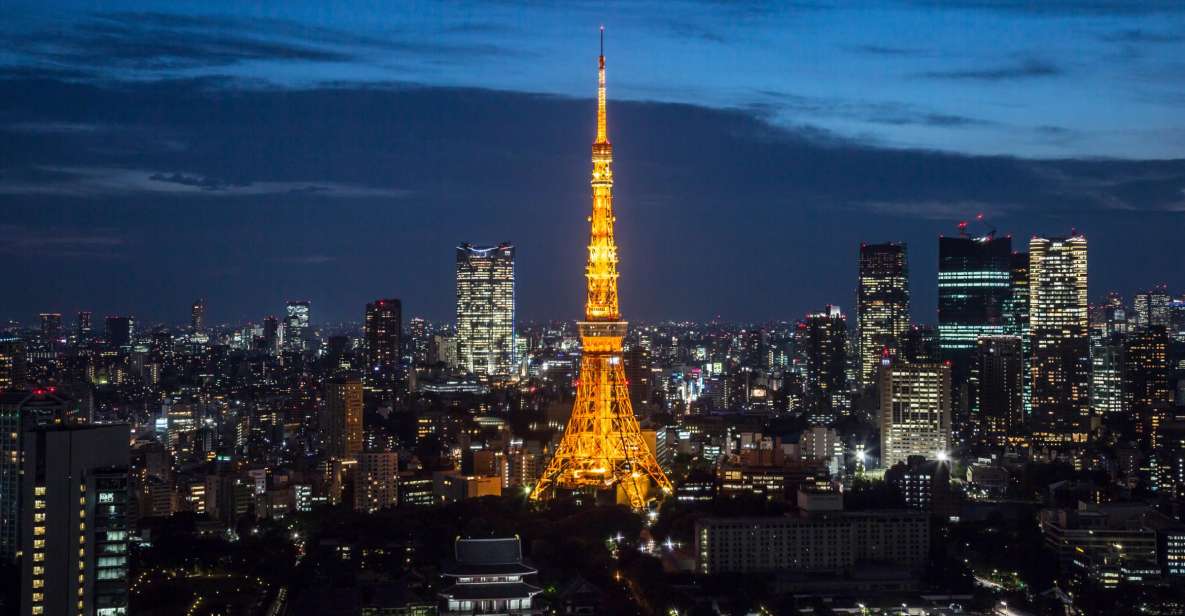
(602,447)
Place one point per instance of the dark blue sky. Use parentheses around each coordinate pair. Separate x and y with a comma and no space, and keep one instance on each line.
(151,154)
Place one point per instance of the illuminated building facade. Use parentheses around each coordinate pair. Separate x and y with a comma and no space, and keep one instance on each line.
(1017,321)
(1146,369)
(420,339)
(84,324)
(20,411)
(383,329)
(882,304)
(375,481)
(974,295)
(821,342)
(343,417)
(998,374)
(603,447)
(1151,307)
(296,325)
(1106,372)
(915,410)
(51,326)
(74,531)
(1058,326)
(197,317)
(833,542)
(485,309)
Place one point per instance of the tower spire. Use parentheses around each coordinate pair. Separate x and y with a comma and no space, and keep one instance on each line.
(602,123)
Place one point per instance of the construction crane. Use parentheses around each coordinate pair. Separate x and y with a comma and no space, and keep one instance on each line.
(979,218)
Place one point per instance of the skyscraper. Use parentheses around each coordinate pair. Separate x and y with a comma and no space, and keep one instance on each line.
(1058,326)
(20,411)
(820,342)
(74,522)
(485,309)
(342,427)
(1146,369)
(51,326)
(197,316)
(998,374)
(1151,307)
(1017,323)
(383,330)
(974,295)
(915,410)
(603,447)
(84,324)
(882,304)
(420,339)
(1106,372)
(296,325)
(120,330)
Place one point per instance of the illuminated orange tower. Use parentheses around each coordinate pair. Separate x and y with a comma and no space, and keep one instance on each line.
(602,447)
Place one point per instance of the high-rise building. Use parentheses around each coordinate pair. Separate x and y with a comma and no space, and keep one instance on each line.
(974,296)
(603,447)
(1017,322)
(1151,307)
(383,330)
(420,341)
(197,316)
(882,305)
(820,341)
(120,330)
(919,345)
(1058,326)
(998,374)
(375,477)
(1146,369)
(84,324)
(485,309)
(343,417)
(915,411)
(1106,372)
(51,326)
(20,411)
(271,333)
(74,520)
(11,362)
(296,325)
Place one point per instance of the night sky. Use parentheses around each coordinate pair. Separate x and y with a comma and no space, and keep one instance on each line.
(249,153)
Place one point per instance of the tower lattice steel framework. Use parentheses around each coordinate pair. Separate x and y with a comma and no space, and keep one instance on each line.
(602,447)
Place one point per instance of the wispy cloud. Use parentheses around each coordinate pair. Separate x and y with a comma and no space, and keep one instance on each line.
(936,210)
(63,243)
(1029,69)
(772,102)
(887,50)
(314,259)
(99,181)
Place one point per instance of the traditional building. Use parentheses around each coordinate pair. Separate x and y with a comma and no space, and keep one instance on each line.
(486,577)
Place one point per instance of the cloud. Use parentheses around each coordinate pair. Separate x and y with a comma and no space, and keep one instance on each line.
(151,41)
(1044,8)
(105,181)
(773,103)
(1143,36)
(1029,69)
(55,128)
(314,259)
(937,210)
(61,243)
(887,50)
